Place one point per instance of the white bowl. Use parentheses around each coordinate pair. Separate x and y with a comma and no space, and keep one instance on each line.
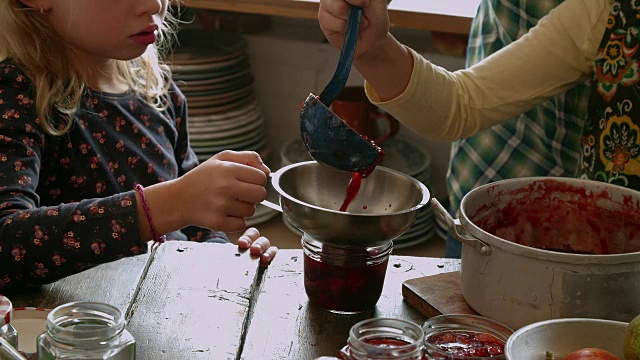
(563,336)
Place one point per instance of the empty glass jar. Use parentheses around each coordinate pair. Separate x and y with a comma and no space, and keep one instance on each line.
(384,338)
(344,280)
(7,331)
(86,330)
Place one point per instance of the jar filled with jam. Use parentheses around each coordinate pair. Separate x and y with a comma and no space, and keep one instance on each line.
(344,280)
(384,338)
(464,337)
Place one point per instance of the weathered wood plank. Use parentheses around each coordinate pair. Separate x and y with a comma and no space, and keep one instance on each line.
(286,326)
(113,283)
(193,302)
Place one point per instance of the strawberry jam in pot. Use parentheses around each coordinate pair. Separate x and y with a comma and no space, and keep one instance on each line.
(344,279)
(463,337)
(384,338)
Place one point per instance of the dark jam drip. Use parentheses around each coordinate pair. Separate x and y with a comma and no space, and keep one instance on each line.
(343,288)
(352,190)
(356,179)
(466,344)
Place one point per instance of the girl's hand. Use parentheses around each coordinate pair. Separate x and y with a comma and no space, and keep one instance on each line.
(257,245)
(222,191)
(374,26)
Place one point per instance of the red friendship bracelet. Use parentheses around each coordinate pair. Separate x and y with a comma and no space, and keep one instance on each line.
(157,240)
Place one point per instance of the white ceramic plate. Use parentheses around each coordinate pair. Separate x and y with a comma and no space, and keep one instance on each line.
(220,134)
(30,323)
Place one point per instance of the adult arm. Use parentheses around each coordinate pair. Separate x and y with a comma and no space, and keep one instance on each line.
(550,59)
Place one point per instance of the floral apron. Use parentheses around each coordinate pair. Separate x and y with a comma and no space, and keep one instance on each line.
(610,144)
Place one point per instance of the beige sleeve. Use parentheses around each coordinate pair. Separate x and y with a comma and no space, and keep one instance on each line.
(550,59)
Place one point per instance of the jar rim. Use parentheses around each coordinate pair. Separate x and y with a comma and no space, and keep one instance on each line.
(6,310)
(375,253)
(61,322)
(387,324)
(464,322)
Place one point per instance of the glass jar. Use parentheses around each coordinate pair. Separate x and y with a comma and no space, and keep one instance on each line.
(345,280)
(384,338)
(465,337)
(7,331)
(86,330)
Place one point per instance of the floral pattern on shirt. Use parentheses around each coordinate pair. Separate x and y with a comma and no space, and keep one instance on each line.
(615,64)
(610,144)
(66,202)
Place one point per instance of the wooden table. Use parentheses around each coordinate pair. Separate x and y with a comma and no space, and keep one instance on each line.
(208,301)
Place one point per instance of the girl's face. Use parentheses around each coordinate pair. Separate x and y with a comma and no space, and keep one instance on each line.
(101,30)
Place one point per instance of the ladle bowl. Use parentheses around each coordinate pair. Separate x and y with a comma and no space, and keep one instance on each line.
(330,141)
(386,206)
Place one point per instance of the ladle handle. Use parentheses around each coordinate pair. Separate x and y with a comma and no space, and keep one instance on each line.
(339,79)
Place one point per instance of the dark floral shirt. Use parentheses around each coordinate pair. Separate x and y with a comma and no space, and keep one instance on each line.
(66,202)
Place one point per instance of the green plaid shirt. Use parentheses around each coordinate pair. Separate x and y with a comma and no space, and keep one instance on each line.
(544,141)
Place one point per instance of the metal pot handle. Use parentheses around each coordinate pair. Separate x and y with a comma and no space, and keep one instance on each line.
(458,231)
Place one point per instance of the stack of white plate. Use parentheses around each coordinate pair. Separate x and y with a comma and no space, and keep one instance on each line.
(400,155)
(212,69)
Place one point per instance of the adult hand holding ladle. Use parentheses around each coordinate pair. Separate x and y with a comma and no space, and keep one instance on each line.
(329,140)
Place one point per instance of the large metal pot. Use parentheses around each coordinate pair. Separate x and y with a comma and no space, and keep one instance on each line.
(385,207)
(521,284)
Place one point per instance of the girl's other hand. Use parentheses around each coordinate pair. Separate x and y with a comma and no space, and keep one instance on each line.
(257,245)
(374,26)
(222,191)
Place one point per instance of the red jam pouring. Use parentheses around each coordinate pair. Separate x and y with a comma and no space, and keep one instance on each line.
(356,179)
(468,344)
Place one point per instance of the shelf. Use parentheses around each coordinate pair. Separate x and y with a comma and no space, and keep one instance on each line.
(447,16)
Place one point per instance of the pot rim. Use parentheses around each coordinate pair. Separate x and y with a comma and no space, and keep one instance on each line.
(541,254)
(275,182)
(523,330)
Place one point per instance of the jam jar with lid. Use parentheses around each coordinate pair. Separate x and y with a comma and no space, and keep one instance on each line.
(86,330)
(384,338)
(465,337)
(344,280)
(7,331)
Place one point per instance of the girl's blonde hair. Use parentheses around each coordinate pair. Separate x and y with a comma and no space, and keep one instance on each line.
(27,38)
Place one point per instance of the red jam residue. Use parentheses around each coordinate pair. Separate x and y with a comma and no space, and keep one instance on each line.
(561,217)
(388,343)
(343,288)
(466,344)
(356,179)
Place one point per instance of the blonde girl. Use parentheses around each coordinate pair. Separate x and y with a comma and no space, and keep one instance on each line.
(94,151)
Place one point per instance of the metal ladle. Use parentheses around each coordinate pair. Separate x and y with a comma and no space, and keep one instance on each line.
(329,140)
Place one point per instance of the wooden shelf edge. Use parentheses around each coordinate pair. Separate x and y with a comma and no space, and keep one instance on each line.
(309,10)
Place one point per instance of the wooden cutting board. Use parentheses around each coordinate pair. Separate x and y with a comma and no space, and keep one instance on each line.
(436,295)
